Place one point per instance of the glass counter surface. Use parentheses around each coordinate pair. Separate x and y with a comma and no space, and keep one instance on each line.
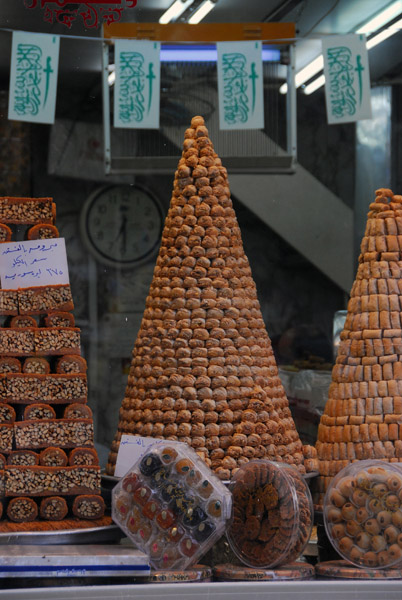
(304,590)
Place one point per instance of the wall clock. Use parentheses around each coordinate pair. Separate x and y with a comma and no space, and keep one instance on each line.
(121,225)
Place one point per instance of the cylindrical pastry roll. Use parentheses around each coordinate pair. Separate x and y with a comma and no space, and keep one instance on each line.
(83,456)
(42,231)
(89,507)
(7,413)
(23,321)
(36,364)
(23,458)
(77,411)
(39,411)
(5,233)
(71,364)
(53,508)
(60,319)
(53,457)
(22,510)
(10,364)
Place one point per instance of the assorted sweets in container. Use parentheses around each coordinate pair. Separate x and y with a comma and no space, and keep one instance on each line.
(363,513)
(171,505)
(272,514)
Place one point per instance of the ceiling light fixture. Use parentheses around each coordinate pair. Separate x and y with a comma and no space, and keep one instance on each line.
(370,26)
(201,12)
(175,10)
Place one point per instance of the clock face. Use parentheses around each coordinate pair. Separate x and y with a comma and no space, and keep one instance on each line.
(122,225)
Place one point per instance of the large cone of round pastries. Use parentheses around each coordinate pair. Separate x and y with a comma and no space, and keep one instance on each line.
(203,370)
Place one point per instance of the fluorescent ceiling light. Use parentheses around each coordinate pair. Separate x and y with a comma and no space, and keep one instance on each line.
(314,85)
(175,10)
(195,53)
(201,12)
(377,22)
(384,17)
(385,34)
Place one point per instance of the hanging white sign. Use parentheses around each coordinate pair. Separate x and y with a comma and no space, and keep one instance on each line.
(33,77)
(137,84)
(240,85)
(347,78)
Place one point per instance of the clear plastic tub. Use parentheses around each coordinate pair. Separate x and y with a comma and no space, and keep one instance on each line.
(363,513)
(171,506)
(272,514)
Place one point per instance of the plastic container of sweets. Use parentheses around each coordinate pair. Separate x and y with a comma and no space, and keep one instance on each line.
(171,505)
(363,513)
(272,514)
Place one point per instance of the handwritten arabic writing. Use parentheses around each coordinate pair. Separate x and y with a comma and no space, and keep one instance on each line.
(28,78)
(341,81)
(93,16)
(33,262)
(132,83)
(235,99)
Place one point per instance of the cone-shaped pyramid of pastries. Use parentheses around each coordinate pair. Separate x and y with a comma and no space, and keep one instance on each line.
(203,369)
(363,414)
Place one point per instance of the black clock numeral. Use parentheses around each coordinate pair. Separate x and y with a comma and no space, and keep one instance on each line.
(102,209)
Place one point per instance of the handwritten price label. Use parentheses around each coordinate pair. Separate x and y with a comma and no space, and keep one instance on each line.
(131,448)
(33,263)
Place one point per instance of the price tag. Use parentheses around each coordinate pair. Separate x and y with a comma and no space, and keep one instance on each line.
(131,448)
(33,263)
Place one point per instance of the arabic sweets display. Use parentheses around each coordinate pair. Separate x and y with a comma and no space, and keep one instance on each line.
(272,514)
(363,414)
(363,514)
(50,471)
(203,369)
(171,506)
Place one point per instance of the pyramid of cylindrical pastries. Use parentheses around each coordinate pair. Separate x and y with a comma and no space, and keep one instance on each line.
(49,466)
(363,414)
(203,370)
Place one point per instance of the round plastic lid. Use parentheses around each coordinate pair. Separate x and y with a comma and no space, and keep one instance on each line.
(363,513)
(272,514)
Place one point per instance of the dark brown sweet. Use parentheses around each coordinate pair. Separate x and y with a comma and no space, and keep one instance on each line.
(23,458)
(89,506)
(53,457)
(71,364)
(60,319)
(26,211)
(9,365)
(33,412)
(53,508)
(36,364)
(83,456)
(5,233)
(42,231)
(21,510)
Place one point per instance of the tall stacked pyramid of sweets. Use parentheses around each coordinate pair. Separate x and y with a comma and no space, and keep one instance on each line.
(49,467)
(203,370)
(363,414)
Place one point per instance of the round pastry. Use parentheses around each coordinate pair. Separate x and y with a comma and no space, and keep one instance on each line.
(168,455)
(188,546)
(203,531)
(184,466)
(134,520)
(142,495)
(214,508)
(165,519)
(205,489)
(131,482)
(151,509)
(176,533)
(150,463)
